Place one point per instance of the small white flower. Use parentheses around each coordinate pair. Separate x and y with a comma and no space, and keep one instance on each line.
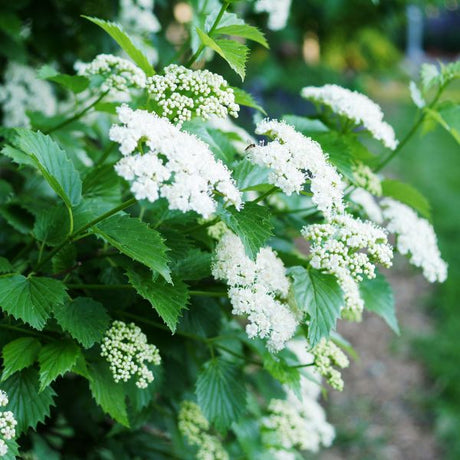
(160,160)
(294,159)
(182,93)
(119,74)
(416,95)
(137,16)
(258,290)
(194,426)
(364,199)
(23,91)
(348,248)
(415,238)
(356,107)
(3,398)
(278,12)
(126,349)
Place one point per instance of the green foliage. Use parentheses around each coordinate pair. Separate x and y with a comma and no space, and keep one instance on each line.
(407,194)
(221,393)
(19,354)
(84,319)
(52,162)
(110,396)
(120,36)
(79,252)
(252,224)
(378,297)
(168,299)
(29,406)
(137,240)
(320,297)
(31,299)
(55,359)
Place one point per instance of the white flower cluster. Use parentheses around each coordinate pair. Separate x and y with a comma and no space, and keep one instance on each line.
(118,74)
(367,179)
(278,12)
(137,15)
(294,159)
(300,422)
(416,238)
(182,93)
(194,426)
(348,248)
(326,355)
(175,165)
(356,107)
(23,91)
(367,202)
(126,349)
(258,289)
(7,424)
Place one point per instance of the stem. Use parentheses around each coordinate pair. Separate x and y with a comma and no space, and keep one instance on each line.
(265,195)
(73,235)
(224,7)
(77,116)
(412,131)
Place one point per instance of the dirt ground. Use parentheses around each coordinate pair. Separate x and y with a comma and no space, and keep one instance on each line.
(380,414)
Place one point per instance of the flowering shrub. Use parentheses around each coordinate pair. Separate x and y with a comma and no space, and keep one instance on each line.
(155,302)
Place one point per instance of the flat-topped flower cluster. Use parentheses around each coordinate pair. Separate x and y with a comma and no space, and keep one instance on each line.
(295,159)
(182,93)
(258,290)
(7,424)
(348,248)
(162,161)
(355,107)
(126,349)
(194,426)
(118,74)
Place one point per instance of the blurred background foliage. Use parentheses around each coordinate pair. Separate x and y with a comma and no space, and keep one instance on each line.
(361,44)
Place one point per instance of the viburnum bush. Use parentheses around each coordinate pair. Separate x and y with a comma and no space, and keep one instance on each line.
(171,281)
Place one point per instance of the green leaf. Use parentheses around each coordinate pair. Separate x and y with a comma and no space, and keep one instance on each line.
(19,354)
(216,140)
(320,296)
(252,224)
(221,393)
(52,162)
(84,319)
(407,194)
(137,240)
(196,265)
(305,125)
(244,98)
(168,300)
(249,176)
(51,225)
(378,297)
(108,394)
(281,371)
(28,405)
(244,31)
(5,266)
(74,83)
(56,359)
(120,36)
(31,299)
(448,116)
(233,52)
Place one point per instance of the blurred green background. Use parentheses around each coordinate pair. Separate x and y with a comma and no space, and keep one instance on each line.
(360,44)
